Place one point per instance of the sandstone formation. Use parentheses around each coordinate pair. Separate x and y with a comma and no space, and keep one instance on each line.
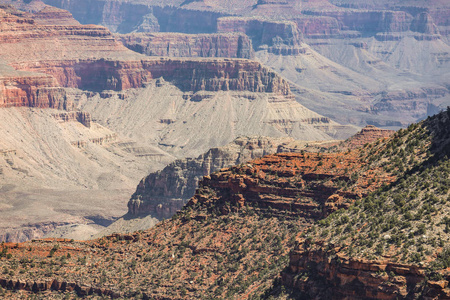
(74,116)
(187,45)
(125,17)
(117,68)
(403,48)
(31,90)
(369,21)
(277,195)
(163,193)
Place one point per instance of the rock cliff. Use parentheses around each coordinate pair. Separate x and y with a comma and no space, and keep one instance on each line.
(368,21)
(186,45)
(31,90)
(165,192)
(129,16)
(368,134)
(101,63)
(277,35)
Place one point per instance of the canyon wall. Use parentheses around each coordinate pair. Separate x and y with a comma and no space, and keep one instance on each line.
(24,89)
(125,17)
(184,45)
(280,36)
(188,75)
(98,62)
(74,116)
(347,278)
(368,21)
(163,193)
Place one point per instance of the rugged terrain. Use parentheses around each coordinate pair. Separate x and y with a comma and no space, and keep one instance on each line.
(164,192)
(393,243)
(234,237)
(81,96)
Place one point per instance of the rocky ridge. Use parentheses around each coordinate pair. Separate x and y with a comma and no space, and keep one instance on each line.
(114,67)
(275,197)
(395,47)
(279,37)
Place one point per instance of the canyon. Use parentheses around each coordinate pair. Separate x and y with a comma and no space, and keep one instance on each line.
(68,103)
(385,64)
(224,149)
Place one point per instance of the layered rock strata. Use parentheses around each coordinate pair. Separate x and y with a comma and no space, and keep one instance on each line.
(32,90)
(101,63)
(186,45)
(355,278)
(281,37)
(75,116)
(166,191)
(368,134)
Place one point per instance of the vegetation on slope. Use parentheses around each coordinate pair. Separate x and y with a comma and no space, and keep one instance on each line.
(407,221)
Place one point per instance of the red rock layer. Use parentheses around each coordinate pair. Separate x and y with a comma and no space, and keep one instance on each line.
(163,193)
(368,134)
(188,75)
(88,57)
(32,91)
(304,185)
(316,26)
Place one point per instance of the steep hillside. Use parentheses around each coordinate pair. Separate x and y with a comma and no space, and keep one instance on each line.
(233,237)
(394,242)
(41,186)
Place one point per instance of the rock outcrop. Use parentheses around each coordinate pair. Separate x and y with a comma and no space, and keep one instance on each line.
(368,134)
(163,193)
(389,252)
(102,63)
(355,278)
(423,23)
(75,116)
(187,45)
(129,16)
(317,26)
